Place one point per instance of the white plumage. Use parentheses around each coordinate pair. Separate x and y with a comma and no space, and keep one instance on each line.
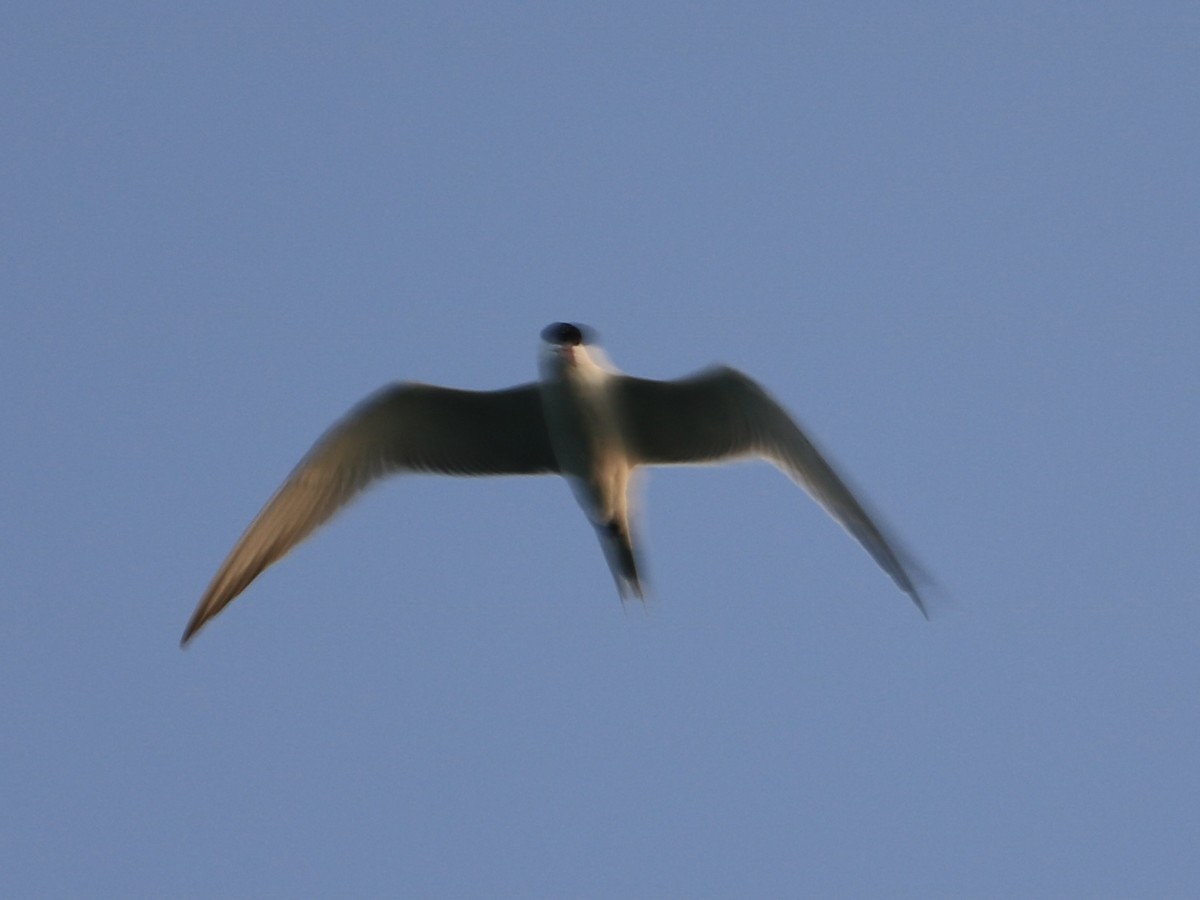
(584,420)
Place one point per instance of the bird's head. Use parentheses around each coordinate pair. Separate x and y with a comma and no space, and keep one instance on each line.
(566,335)
(570,348)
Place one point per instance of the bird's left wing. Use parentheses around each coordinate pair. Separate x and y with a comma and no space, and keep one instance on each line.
(406,427)
(723,414)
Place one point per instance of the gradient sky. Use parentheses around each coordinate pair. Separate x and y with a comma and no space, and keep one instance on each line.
(961,242)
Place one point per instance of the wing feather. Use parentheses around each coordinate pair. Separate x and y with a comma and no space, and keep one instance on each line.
(402,428)
(721,414)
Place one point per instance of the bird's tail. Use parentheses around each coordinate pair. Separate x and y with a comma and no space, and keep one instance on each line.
(617,542)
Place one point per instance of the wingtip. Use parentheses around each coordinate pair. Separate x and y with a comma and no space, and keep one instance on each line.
(188,633)
(931,598)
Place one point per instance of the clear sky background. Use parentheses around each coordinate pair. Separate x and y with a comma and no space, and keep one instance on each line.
(959,241)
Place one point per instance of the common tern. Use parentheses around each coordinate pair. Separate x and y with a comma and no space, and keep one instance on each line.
(583,420)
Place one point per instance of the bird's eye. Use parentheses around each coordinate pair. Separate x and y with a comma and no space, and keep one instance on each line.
(563,333)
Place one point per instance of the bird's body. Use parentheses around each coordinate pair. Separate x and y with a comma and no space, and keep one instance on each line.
(584,424)
(584,420)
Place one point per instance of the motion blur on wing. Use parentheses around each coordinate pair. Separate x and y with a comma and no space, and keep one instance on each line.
(583,420)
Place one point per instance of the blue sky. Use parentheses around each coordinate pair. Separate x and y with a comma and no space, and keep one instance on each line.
(960,242)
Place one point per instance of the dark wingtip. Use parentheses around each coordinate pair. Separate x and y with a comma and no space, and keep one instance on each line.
(933,600)
(196,623)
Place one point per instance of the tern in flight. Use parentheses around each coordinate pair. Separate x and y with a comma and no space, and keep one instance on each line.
(584,420)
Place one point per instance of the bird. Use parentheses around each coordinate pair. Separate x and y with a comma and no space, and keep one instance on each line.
(583,420)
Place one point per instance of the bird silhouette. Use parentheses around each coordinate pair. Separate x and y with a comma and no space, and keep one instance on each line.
(583,420)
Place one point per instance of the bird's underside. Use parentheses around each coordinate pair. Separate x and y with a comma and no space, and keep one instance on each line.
(583,420)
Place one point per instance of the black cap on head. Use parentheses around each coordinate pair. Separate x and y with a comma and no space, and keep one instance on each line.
(564,333)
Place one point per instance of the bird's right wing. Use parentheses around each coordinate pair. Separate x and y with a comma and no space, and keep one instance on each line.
(721,414)
(406,427)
